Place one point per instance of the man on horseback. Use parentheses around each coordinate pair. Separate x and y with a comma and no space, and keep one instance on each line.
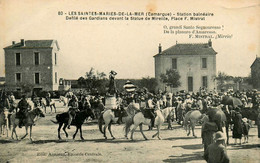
(4,102)
(73,108)
(12,102)
(120,107)
(153,104)
(188,103)
(23,106)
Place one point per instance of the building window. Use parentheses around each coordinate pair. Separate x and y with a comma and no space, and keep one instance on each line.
(18,77)
(61,81)
(55,58)
(56,77)
(204,62)
(205,81)
(36,58)
(37,78)
(17,59)
(174,63)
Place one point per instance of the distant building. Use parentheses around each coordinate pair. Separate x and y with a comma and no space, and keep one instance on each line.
(196,64)
(255,73)
(2,82)
(33,63)
(64,84)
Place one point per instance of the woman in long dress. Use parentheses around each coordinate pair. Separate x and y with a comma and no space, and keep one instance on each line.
(237,129)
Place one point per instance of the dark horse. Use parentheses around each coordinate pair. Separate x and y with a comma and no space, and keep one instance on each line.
(221,118)
(250,114)
(79,119)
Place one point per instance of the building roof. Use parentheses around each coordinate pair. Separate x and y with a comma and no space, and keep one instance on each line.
(257,61)
(34,44)
(189,49)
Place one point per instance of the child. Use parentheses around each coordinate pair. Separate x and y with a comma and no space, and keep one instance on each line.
(216,152)
(246,128)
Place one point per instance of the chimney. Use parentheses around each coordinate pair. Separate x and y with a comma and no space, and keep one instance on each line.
(13,42)
(160,48)
(210,43)
(22,42)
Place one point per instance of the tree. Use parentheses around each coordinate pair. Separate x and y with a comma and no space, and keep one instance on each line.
(149,83)
(221,79)
(81,82)
(94,81)
(171,78)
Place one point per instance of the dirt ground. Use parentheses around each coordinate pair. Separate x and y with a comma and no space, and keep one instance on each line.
(175,146)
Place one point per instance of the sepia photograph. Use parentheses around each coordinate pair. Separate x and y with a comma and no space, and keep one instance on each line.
(129,81)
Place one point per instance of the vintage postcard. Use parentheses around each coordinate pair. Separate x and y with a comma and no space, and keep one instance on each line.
(159,54)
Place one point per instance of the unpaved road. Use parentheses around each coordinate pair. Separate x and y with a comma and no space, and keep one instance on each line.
(175,146)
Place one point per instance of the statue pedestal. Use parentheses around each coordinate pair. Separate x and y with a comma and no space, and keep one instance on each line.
(110,102)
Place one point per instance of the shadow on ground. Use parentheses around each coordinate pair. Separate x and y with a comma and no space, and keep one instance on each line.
(112,141)
(8,141)
(185,137)
(244,146)
(48,141)
(186,157)
(193,146)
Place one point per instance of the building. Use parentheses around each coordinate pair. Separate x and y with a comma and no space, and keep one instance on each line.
(196,64)
(2,82)
(65,84)
(33,64)
(255,73)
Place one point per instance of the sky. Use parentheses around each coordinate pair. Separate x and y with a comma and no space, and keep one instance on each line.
(128,47)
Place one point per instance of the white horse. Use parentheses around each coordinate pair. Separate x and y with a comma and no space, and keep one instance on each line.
(4,123)
(29,122)
(191,118)
(139,120)
(44,104)
(167,113)
(108,117)
(64,99)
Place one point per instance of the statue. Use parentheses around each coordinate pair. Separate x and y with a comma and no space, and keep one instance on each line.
(112,85)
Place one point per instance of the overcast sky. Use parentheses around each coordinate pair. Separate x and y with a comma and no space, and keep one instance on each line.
(128,47)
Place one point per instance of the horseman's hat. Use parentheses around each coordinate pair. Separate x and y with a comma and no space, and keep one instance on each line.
(244,120)
(219,136)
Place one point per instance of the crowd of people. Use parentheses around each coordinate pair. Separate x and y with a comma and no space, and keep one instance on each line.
(181,101)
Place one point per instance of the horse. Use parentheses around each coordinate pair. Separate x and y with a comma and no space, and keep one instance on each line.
(29,121)
(4,122)
(139,119)
(250,114)
(64,100)
(63,118)
(190,120)
(221,118)
(43,103)
(108,117)
(167,113)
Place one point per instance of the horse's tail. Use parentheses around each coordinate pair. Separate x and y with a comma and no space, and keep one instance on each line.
(57,118)
(100,123)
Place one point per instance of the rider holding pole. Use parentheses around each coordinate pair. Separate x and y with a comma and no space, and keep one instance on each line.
(73,108)
(23,106)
